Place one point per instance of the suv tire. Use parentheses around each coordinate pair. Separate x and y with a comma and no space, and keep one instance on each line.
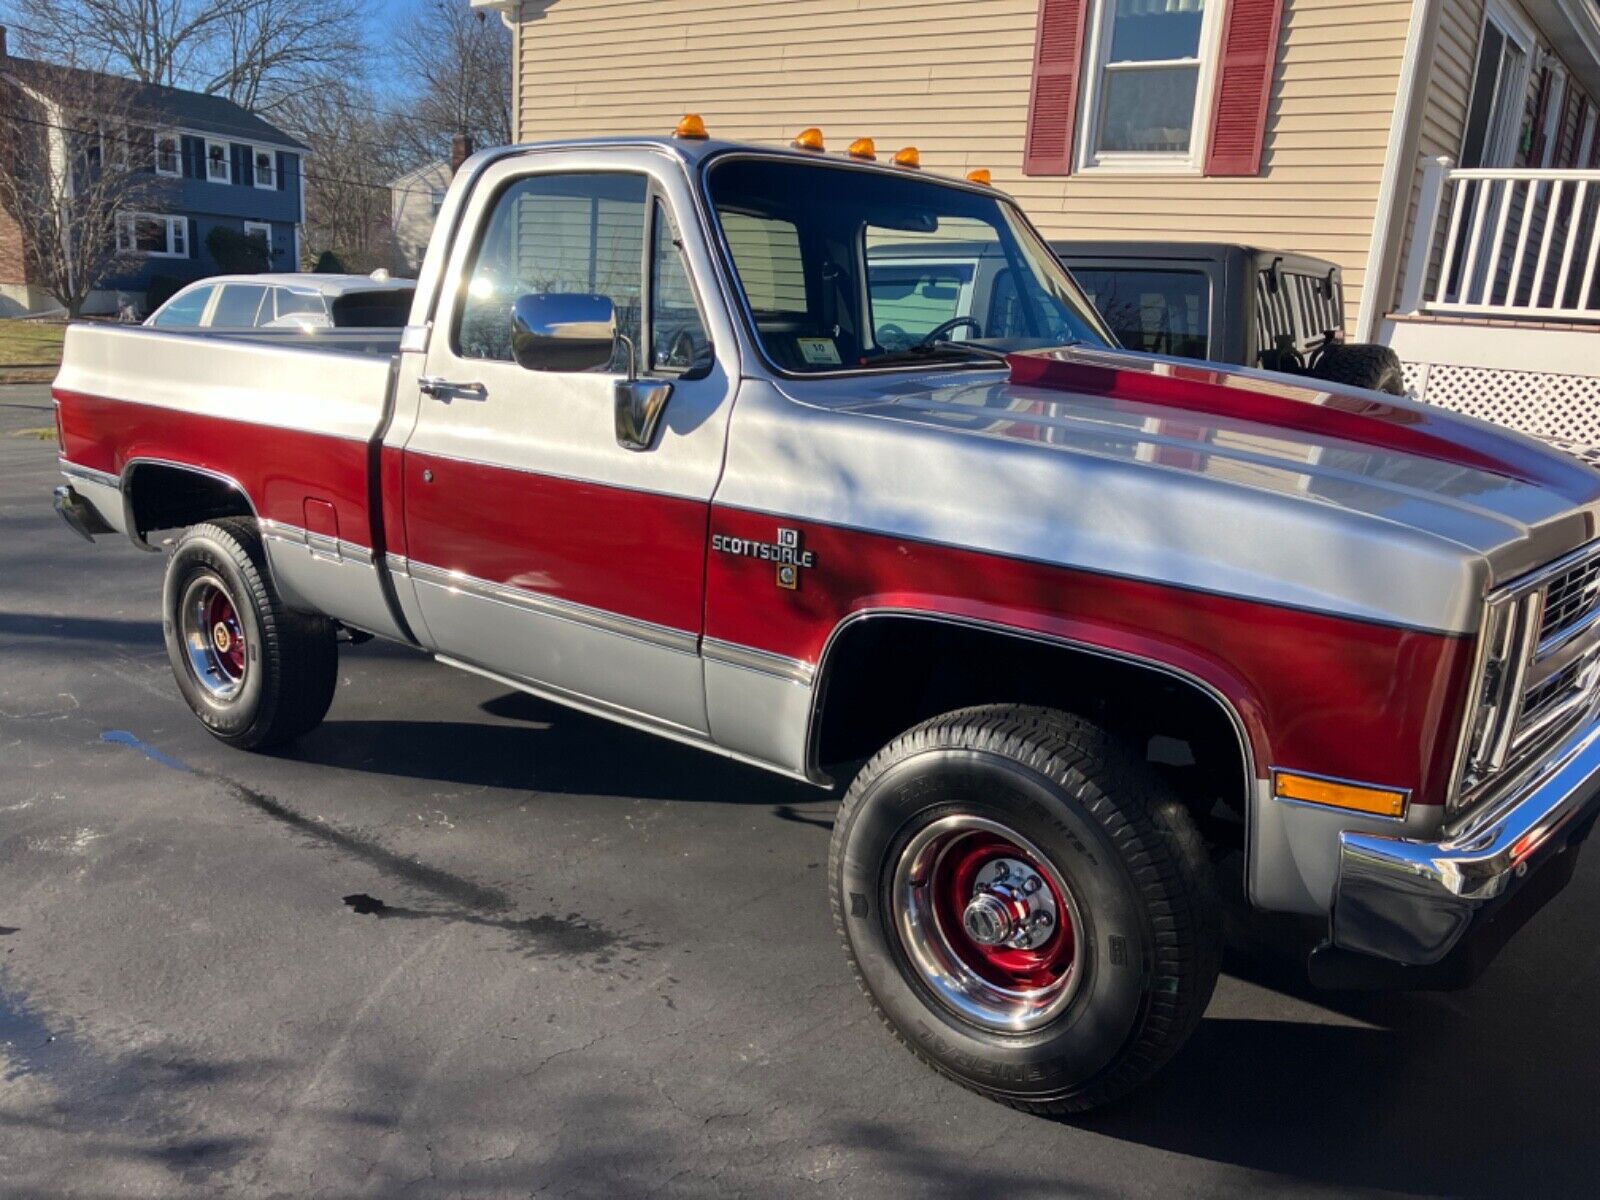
(256,673)
(1361,364)
(1036,810)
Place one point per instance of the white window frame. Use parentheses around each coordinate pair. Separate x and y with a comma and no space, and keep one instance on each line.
(1555,108)
(177,152)
(255,167)
(227,160)
(177,235)
(260,227)
(1092,97)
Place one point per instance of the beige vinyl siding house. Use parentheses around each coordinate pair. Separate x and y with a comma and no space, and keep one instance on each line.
(953,79)
(1352,130)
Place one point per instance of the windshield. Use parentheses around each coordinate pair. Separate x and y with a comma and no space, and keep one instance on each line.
(847,269)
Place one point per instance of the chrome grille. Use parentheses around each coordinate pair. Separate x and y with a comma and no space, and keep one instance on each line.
(1539,671)
(1570,597)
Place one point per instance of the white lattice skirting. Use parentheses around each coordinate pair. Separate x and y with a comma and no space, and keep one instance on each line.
(1544,382)
(1561,407)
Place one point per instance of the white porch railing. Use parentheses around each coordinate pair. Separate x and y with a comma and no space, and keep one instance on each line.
(1505,243)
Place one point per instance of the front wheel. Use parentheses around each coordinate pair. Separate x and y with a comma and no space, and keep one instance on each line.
(1026,906)
(257,674)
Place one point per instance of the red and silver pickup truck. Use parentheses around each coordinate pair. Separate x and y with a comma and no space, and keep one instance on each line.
(713,440)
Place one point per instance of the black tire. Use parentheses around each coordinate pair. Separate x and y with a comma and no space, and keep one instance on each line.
(1150,925)
(1363,365)
(280,682)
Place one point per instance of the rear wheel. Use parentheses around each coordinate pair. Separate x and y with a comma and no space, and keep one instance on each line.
(1026,905)
(256,673)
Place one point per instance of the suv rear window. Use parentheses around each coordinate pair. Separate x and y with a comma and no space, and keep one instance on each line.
(1154,312)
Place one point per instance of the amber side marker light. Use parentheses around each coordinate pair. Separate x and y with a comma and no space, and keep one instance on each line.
(1378,802)
(907,157)
(808,139)
(982,175)
(862,148)
(691,127)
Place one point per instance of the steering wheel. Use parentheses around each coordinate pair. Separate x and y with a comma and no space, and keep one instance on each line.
(683,349)
(942,331)
(891,337)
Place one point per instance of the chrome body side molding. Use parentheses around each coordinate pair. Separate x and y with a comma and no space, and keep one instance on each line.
(677,640)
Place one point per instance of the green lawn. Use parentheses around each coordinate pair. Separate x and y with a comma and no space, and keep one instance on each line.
(30,351)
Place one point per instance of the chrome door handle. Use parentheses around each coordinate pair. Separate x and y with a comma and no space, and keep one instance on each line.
(447,390)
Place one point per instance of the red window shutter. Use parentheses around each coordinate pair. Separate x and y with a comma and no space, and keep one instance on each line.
(1057,54)
(1244,86)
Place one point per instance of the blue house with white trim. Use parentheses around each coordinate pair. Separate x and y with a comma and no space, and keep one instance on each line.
(216,164)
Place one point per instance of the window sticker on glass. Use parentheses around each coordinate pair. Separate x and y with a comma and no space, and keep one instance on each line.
(818,351)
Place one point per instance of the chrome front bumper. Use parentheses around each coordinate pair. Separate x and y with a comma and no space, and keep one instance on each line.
(1412,901)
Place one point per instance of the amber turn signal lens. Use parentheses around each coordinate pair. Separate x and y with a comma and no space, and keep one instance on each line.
(808,139)
(1379,802)
(691,127)
(862,148)
(981,175)
(907,157)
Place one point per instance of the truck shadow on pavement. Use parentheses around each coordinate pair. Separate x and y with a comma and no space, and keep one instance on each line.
(543,747)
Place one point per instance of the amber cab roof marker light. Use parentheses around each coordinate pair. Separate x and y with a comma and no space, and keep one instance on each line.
(692,128)
(862,148)
(809,139)
(981,175)
(907,157)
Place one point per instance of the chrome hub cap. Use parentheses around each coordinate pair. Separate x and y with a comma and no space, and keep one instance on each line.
(988,923)
(214,637)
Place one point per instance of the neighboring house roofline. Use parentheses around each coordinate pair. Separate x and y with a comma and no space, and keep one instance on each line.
(178,109)
(439,164)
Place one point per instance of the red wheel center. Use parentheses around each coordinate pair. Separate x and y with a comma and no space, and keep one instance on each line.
(958,879)
(227,638)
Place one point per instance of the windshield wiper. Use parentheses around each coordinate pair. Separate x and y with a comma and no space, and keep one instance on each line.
(915,354)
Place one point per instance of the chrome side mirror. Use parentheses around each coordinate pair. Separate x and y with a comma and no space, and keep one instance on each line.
(563,331)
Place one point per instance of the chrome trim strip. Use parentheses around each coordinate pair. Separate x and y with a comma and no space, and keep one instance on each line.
(104,478)
(622,716)
(1411,901)
(399,564)
(681,641)
(319,544)
(780,666)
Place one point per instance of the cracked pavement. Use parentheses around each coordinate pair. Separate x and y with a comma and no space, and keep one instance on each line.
(461,942)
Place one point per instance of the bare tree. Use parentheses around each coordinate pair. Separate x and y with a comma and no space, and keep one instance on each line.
(462,64)
(354,147)
(74,173)
(252,51)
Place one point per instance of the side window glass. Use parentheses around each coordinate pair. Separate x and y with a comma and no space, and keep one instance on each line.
(185,311)
(679,344)
(238,305)
(1157,312)
(551,234)
(291,303)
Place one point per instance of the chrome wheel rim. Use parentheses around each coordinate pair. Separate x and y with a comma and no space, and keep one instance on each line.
(213,637)
(988,923)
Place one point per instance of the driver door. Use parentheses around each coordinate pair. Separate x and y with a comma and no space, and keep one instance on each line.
(541,548)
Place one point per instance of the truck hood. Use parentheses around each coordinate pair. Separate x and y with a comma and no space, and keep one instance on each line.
(1234,454)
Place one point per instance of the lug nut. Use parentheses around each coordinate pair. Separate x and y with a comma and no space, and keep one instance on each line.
(1001,871)
(1033,884)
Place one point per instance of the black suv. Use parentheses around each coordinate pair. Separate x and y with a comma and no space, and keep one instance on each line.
(1229,304)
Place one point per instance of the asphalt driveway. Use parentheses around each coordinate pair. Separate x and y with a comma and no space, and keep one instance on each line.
(459,941)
